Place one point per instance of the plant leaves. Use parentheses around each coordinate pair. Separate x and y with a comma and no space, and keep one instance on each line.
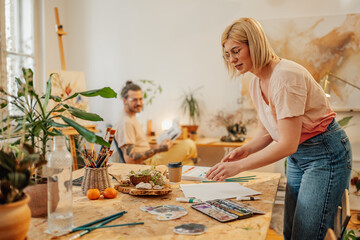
(101,141)
(28,161)
(4,104)
(105,92)
(55,98)
(84,115)
(87,134)
(343,122)
(7,161)
(58,125)
(47,93)
(18,180)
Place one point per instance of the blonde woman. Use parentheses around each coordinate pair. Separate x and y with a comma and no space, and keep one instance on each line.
(296,122)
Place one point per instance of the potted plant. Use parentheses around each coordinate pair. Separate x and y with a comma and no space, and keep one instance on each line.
(41,121)
(235,127)
(16,166)
(191,107)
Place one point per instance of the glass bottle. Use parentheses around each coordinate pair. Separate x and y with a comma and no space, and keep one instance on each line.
(59,169)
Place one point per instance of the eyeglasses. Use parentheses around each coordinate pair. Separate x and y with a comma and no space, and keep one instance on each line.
(234,53)
(134,99)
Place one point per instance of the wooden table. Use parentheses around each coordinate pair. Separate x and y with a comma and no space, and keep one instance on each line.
(71,132)
(209,142)
(86,211)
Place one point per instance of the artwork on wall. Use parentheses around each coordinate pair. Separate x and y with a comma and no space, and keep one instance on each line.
(322,44)
(66,83)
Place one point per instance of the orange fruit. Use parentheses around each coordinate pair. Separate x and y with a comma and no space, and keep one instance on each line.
(93,194)
(110,193)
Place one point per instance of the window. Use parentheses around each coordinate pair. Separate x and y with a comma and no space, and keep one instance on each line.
(17,48)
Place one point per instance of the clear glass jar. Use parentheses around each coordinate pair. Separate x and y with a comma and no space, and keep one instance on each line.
(59,169)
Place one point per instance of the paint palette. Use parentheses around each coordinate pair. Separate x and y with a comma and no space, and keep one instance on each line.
(166,212)
(223,210)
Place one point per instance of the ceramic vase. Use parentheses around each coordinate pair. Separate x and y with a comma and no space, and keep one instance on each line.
(39,200)
(15,219)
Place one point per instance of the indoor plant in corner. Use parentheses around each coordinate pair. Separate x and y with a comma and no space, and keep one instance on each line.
(191,107)
(16,166)
(41,122)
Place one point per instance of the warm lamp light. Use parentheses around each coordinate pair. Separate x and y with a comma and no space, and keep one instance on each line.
(325,83)
(166,124)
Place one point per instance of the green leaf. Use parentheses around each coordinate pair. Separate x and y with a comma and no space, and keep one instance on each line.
(58,125)
(55,98)
(47,93)
(101,141)
(105,92)
(18,179)
(87,134)
(18,82)
(4,104)
(37,130)
(60,110)
(7,161)
(28,161)
(55,132)
(343,122)
(84,115)
(29,77)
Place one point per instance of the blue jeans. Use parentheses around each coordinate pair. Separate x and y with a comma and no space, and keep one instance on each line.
(317,175)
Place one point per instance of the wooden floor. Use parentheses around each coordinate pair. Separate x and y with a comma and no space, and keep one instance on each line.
(353,224)
(272,235)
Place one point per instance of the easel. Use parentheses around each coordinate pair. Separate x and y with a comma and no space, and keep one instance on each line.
(60,33)
(71,132)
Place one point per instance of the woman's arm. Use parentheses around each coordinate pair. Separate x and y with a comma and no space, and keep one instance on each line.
(289,131)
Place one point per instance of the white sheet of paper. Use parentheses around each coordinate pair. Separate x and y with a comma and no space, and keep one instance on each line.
(211,191)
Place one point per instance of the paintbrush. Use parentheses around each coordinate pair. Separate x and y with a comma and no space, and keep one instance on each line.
(109,226)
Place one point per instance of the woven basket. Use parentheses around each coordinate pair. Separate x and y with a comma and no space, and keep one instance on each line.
(95,178)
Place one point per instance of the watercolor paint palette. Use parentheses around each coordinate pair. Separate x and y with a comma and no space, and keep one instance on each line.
(223,210)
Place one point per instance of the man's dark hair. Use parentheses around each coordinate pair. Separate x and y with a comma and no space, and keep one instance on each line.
(129,86)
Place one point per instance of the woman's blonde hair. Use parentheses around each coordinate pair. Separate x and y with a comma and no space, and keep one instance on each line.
(250,32)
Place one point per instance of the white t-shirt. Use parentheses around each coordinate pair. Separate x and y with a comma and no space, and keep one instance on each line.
(292,92)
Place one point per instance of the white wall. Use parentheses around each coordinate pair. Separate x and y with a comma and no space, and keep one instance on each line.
(176,43)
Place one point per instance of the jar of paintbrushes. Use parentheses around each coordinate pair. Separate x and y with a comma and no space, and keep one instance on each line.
(96,165)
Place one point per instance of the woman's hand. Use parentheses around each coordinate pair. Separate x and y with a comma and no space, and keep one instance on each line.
(223,170)
(236,154)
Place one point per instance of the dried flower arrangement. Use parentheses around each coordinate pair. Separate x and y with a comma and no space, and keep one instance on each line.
(234,125)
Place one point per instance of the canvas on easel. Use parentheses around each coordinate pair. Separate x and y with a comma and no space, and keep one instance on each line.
(66,83)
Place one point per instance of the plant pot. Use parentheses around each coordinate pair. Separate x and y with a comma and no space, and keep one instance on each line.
(191,128)
(135,180)
(38,199)
(15,219)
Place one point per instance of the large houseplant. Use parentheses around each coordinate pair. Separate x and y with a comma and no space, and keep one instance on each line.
(42,121)
(191,107)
